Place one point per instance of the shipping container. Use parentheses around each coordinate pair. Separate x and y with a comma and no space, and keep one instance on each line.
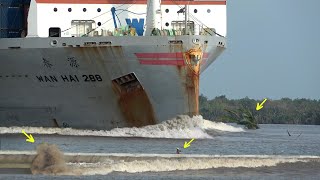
(13,18)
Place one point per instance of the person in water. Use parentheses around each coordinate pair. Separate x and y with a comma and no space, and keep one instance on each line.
(178,151)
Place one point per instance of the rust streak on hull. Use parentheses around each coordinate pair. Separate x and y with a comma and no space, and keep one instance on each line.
(192,88)
(133,101)
(193,59)
(137,108)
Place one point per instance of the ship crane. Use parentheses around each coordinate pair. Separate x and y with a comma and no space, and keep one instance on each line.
(113,11)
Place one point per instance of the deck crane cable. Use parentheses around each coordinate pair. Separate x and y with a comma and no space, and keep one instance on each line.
(94,18)
(200,23)
(197,21)
(126,11)
(182,9)
(132,12)
(109,19)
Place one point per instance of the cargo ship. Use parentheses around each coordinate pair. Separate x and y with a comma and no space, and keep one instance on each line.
(103,64)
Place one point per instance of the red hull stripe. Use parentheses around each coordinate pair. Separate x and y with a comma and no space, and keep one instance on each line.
(163,55)
(163,62)
(164,2)
(177,62)
(159,55)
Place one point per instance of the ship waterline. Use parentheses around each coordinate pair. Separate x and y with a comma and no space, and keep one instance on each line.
(102,82)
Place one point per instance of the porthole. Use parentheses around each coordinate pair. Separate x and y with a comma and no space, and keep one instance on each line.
(99,23)
(69,9)
(208,10)
(195,10)
(167,24)
(84,9)
(99,10)
(167,10)
(55,9)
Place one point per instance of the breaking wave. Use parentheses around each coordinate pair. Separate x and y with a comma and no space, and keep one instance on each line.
(167,164)
(50,160)
(180,127)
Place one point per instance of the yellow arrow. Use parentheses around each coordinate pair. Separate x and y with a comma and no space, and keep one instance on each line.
(30,138)
(187,144)
(259,106)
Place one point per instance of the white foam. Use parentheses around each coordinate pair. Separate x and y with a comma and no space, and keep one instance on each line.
(161,165)
(179,127)
(105,163)
(210,125)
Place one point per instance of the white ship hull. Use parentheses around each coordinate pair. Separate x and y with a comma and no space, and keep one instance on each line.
(43,85)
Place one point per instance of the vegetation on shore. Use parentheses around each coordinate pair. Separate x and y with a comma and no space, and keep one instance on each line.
(283,111)
(241,116)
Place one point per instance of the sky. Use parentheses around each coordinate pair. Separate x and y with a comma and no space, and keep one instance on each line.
(273,51)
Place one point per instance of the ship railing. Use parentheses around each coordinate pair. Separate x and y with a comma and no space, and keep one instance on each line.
(122,31)
(129,31)
(180,32)
(208,31)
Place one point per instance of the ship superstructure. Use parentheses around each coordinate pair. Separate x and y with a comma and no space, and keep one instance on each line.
(101,64)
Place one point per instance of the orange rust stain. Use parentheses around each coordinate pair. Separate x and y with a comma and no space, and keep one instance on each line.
(191,85)
(192,72)
(135,106)
(192,88)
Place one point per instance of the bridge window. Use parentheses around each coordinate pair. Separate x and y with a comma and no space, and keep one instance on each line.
(54,32)
(180,26)
(82,27)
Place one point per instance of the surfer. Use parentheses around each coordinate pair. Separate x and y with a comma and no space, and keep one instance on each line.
(178,151)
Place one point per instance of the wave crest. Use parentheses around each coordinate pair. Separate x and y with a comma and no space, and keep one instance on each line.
(180,127)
